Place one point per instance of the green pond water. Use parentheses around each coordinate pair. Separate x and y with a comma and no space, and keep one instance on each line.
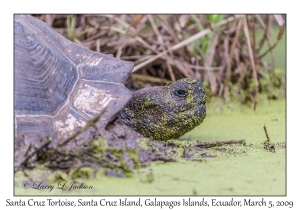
(235,170)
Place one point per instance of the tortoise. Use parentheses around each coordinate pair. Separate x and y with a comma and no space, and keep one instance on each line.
(59,86)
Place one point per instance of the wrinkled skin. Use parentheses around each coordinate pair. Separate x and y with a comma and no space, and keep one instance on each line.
(159,113)
(166,112)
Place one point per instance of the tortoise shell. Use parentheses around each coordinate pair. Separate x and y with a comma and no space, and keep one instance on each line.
(59,85)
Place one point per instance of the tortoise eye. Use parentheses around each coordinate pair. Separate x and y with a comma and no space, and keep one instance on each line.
(180,93)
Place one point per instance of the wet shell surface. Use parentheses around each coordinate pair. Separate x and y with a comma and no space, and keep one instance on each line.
(59,85)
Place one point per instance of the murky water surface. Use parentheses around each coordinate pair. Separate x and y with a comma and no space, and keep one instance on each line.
(236,170)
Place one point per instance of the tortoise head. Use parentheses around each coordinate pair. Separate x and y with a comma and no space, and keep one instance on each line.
(166,112)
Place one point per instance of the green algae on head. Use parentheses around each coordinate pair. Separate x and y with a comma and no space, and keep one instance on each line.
(166,112)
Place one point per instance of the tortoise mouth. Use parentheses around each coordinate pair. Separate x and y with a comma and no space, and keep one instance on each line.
(194,112)
(180,123)
(189,108)
(191,117)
